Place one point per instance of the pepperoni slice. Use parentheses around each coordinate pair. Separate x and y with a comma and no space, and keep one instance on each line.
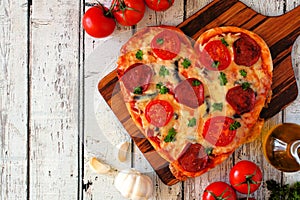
(190,92)
(241,100)
(137,75)
(215,56)
(159,112)
(246,51)
(194,158)
(166,45)
(217,131)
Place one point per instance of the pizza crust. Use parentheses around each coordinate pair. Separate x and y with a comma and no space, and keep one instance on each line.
(260,76)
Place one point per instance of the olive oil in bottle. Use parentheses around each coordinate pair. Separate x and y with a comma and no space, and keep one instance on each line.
(281,147)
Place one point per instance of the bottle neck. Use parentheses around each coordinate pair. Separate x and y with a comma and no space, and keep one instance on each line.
(295,149)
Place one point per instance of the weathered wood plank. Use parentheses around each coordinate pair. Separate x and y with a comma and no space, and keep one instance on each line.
(173,16)
(292,112)
(13,99)
(193,188)
(54,100)
(253,151)
(101,130)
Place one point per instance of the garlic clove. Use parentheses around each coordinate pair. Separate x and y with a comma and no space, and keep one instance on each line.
(123,150)
(99,167)
(134,185)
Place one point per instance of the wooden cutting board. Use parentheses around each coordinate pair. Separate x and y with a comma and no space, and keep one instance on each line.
(278,32)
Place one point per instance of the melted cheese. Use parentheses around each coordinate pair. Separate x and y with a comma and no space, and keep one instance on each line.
(213,90)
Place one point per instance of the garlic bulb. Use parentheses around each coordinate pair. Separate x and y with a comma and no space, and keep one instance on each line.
(134,185)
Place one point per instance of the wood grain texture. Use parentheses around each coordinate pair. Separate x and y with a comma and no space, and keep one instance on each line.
(192,189)
(172,16)
(101,133)
(292,112)
(13,99)
(54,100)
(220,13)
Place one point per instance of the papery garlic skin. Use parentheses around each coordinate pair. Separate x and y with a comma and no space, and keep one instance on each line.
(98,166)
(134,185)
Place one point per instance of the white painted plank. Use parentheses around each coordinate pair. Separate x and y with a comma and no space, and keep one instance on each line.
(173,16)
(102,187)
(102,130)
(253,151)
(193,188)
(54,100)
(13,99)
(292,112)
(267,7)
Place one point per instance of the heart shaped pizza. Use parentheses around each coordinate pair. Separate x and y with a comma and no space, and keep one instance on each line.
(196,101)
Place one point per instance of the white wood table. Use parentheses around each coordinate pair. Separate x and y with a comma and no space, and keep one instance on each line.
(52,120)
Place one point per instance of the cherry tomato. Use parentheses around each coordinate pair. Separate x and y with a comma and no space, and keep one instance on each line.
(166,45)
(215,56)
(194,158)
(96,23)
(245,177)
(128,12)
(241,100)
(217,131)
(159,5)
(190,92)
(219,190)
(159,112)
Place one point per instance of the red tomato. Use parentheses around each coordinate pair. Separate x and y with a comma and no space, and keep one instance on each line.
(219,190)
(96,23)
(245,177)
(159,112)
(159,5)
(166,45)
(217,130)
(128,12)
(215,56)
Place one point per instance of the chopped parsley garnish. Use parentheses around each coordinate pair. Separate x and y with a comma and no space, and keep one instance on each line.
(209,150)
(196,83)
(235,125)
(139,55)
(222,78)
(192,122)
(218,106)
(215,64)
(186,63)
(243,73)
(171,135)
(163,71)
(138,90)
(160,41)
(224,42)
(162,89)
(245,85)
(287,191)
